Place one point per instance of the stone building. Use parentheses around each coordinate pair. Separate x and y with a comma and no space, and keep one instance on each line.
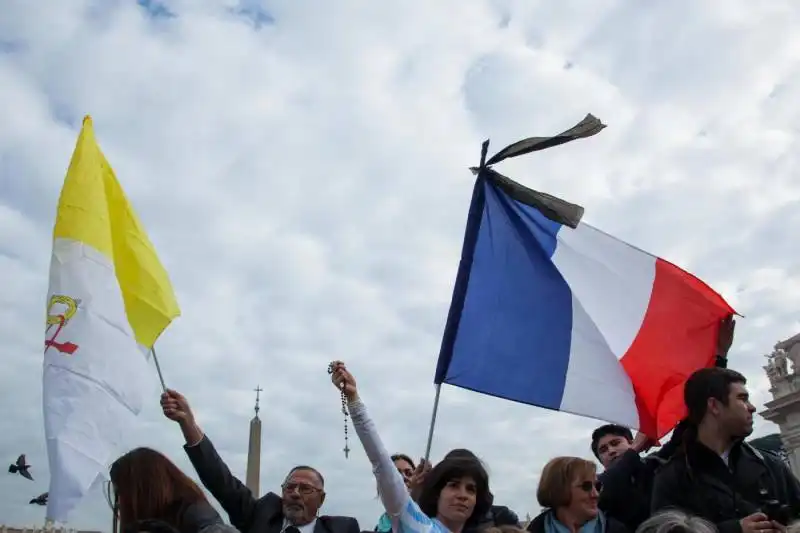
(783,371)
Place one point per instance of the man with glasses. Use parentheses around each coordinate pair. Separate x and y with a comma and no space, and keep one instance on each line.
(294,511)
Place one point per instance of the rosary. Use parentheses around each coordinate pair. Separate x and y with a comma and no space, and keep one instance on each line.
(344,412)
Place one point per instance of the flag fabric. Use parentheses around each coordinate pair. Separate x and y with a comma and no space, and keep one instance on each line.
(571,318)
(108,301)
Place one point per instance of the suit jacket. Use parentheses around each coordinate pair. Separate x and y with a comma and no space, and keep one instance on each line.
(246,513)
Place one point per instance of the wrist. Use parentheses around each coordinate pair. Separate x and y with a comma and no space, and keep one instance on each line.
(353,397)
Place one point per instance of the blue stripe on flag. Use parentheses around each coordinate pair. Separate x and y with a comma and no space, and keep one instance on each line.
(514,333)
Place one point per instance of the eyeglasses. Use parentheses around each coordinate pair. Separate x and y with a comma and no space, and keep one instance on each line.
(303,488)
(587,486)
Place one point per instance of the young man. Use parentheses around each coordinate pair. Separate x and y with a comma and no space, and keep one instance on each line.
(716,475)
(628,478)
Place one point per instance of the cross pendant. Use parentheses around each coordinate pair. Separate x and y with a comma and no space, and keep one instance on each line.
(346,451)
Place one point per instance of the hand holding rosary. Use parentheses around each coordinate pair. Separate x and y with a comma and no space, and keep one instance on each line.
(331,370)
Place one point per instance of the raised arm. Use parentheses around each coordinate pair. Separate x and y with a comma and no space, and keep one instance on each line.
(232,494)
(391,487)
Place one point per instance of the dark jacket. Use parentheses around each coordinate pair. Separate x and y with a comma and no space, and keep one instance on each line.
(198,517)
(498,515)
(627,486)
(612,526)
(247,514)
(696,480)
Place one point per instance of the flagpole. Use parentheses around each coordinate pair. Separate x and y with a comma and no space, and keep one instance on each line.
(158,369)
(433,422)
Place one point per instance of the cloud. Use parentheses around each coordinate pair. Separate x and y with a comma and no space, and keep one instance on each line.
(302,170)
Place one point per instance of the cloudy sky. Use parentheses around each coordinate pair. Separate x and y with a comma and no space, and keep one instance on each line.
(302,170)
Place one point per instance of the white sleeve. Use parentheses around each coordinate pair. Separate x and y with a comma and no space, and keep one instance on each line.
(391,487)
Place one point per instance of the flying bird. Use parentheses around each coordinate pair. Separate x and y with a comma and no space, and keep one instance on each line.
(41,499)
(22,467)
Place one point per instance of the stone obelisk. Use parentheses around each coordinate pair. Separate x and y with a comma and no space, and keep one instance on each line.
(254,451)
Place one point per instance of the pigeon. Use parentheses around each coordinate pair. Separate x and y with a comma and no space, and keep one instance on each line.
(22,467)
(41,499)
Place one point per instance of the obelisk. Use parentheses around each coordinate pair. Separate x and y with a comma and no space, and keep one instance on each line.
(254,451)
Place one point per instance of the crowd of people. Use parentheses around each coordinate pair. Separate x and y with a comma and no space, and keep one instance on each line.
(705,479)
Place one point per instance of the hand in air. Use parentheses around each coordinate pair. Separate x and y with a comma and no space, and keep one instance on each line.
(176,407)
(344,380)
(418,478)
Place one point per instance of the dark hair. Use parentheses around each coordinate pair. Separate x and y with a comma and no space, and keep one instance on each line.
(461,453)
(448,470)
(148,486)
(609,429)
(405,458)
(309,469)
(708,383)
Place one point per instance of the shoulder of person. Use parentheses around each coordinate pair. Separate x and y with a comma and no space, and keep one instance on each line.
(218,528)
(200,515)
(615,526)
(503,516)
(339,521)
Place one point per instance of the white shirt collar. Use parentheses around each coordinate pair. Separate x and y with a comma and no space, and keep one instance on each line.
(308,528)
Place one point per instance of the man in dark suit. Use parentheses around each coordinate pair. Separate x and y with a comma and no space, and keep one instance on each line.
(294,511)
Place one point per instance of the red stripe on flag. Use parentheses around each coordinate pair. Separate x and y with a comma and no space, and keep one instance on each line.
(677,337)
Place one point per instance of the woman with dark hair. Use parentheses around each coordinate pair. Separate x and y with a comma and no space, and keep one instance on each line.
(498,515)
(149,487)
(569,492)
(455,493)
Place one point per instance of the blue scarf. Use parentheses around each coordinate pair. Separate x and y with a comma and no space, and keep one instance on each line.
(384,524)
(595,525)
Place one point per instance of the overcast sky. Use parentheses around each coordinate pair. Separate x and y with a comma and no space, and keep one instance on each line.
(302,168)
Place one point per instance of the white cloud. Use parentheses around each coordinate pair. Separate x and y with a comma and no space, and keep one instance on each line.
(306,186)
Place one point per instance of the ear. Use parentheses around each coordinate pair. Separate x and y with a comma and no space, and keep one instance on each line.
(713,406)
(321,498)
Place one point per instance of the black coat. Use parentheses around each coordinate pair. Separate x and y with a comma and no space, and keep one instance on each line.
(627,487)
(612,526)
(246,513)
(498,515)
(697,481)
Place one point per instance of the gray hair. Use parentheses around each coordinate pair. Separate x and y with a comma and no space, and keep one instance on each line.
(673,521)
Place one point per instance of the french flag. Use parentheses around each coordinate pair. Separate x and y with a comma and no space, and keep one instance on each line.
(572,319)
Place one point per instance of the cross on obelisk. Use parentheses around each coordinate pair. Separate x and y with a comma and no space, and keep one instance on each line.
(258,389)
(254,450)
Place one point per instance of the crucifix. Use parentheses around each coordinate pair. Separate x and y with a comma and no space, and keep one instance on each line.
(258,389)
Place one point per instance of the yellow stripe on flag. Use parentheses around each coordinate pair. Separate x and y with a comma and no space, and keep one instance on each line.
(93,209)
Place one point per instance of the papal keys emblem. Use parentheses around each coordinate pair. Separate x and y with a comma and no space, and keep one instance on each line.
(60,310)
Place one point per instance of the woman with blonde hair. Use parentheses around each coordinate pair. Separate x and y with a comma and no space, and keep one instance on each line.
(569,492)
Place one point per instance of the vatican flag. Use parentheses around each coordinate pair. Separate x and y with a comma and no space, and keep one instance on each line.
(109,300)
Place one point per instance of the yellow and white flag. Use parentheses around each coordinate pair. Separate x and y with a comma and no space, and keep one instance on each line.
(109,300)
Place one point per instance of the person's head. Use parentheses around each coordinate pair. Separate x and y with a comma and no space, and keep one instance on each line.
(148,486)
(673,521)
(609,442)
(456,491)
(404,465)
(569,486)
(303,495)
(718,399)
(461,453)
